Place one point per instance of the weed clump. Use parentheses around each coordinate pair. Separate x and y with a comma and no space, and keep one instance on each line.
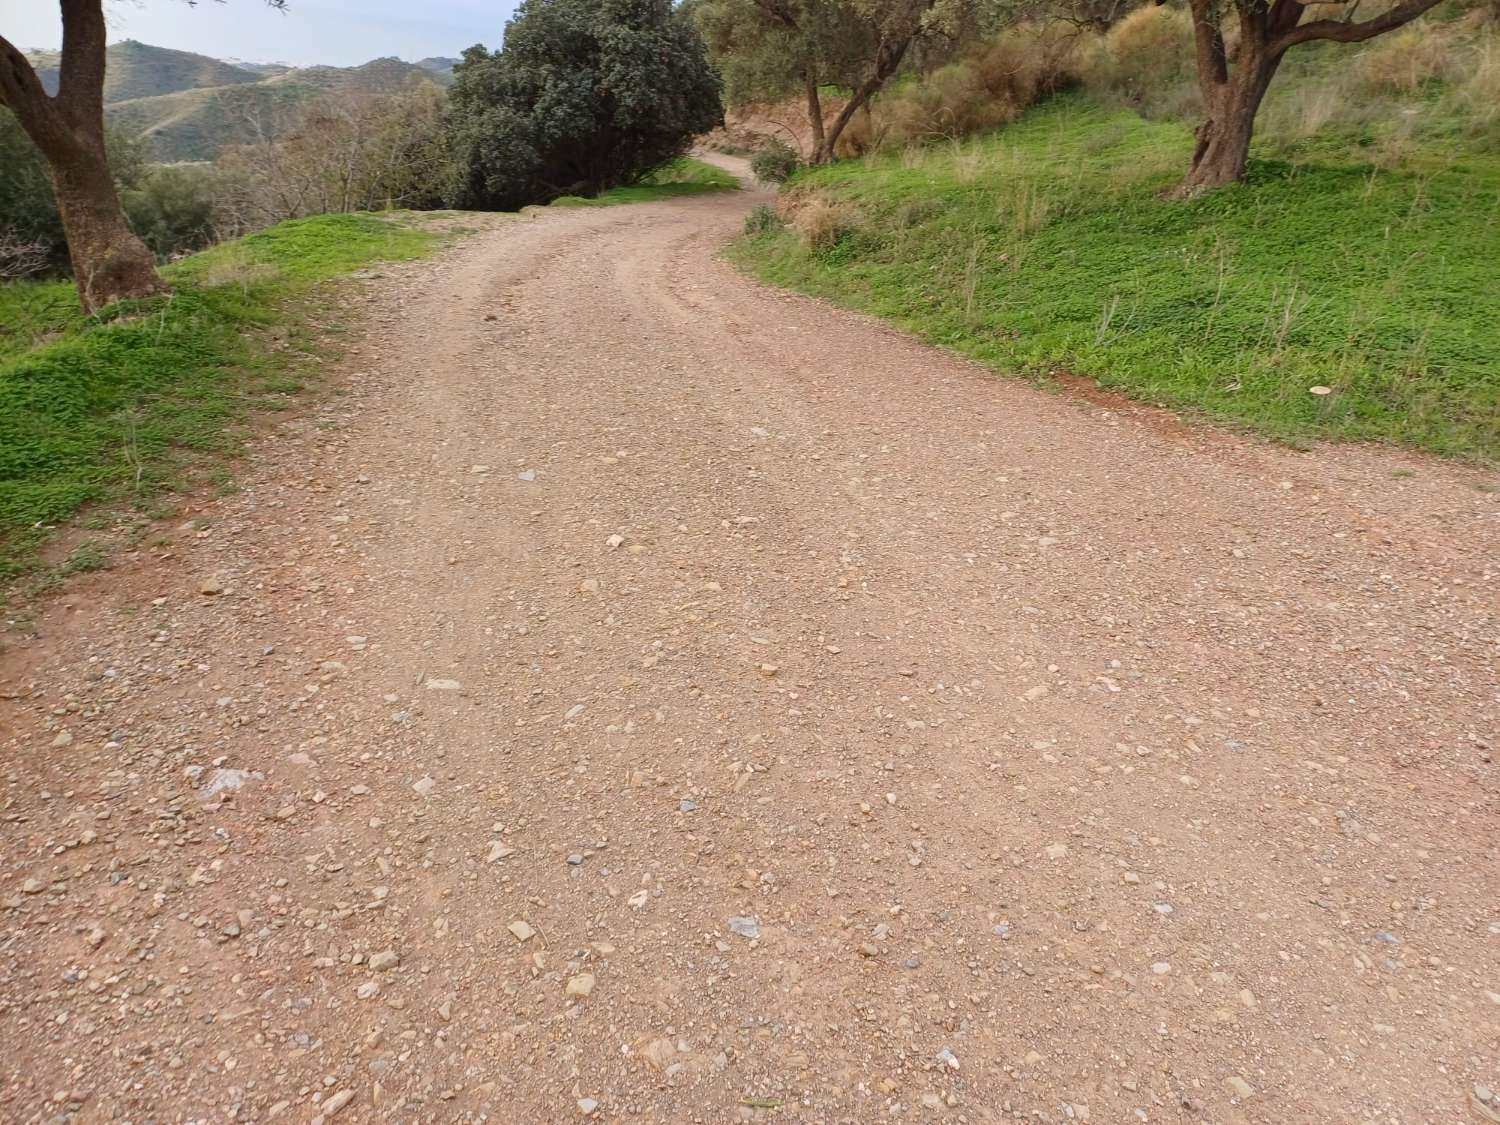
(775,163)
(762,219)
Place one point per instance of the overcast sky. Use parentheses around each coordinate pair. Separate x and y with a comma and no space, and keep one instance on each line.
(338,32)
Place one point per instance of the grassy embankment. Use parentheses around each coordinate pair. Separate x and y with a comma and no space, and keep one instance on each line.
(115,407)
(1324,298)
(684,176)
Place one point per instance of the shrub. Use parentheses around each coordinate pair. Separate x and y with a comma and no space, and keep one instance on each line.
(822,223)
(1480,94)
(1144,61)
(173,210)
(990,86)
(762,219)
(585,95)
(775,163)
(1404,61)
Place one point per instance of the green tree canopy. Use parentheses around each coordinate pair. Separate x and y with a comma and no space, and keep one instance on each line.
(584,95)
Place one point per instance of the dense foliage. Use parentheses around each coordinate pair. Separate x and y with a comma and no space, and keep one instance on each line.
(28,210)
(585,95)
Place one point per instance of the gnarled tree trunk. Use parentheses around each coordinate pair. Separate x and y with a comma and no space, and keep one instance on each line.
(1267,30)
(1223,136)
(110,263)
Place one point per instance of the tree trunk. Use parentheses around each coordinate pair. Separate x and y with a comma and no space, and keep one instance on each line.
(888,56)
(109,262)
(1223,136)
(815,118)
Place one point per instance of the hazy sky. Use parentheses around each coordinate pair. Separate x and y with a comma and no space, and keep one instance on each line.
(339,32)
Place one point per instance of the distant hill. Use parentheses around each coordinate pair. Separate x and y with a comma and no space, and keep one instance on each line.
(138,70)
(188,107)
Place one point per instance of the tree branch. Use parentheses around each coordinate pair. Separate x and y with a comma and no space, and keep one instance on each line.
(1208,42)
(1341,31)
(22,92)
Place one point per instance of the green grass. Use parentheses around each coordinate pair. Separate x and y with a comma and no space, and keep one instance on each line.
(684,176)
(1046,246)
(113,407)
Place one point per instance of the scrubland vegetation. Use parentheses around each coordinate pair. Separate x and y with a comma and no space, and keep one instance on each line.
(1013,205)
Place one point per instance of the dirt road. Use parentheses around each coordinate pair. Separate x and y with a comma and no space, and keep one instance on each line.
(648,696)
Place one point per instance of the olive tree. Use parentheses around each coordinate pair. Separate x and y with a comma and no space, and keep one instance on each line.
(770,49)
(1234,82)
(109,262)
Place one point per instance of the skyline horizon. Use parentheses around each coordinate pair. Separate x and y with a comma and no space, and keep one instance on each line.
(309,33)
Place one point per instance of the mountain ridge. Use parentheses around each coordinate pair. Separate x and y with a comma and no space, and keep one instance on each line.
(186,106)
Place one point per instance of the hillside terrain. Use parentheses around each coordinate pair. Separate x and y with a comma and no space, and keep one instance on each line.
(1344,290)
(188,106)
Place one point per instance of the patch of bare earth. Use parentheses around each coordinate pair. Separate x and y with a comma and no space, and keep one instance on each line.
(673,700)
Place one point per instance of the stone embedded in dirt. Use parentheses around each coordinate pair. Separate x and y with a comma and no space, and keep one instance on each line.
(588,1106)
(581,985)
(639,899)
(769,670)
(657,1052)
(576,859)
(339,1100)
(522,931)
(498,851)
(444,685)
(33,887)
(385,959)
(479,469)
(1057,851)
(573,712)
(1032,694)
(687,804)
(424,786)
(95,937)
(211,586)
(948,1058)
(368,990)
(614,541)
(225,780)
(1239,1086)
(526,474)
(64,738)
(1161,968)
(745,927)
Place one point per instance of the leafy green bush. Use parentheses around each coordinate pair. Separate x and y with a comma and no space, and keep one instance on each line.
(173,209)
(775,163)
(584,96)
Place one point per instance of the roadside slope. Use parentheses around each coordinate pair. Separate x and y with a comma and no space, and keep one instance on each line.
(1065,761)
